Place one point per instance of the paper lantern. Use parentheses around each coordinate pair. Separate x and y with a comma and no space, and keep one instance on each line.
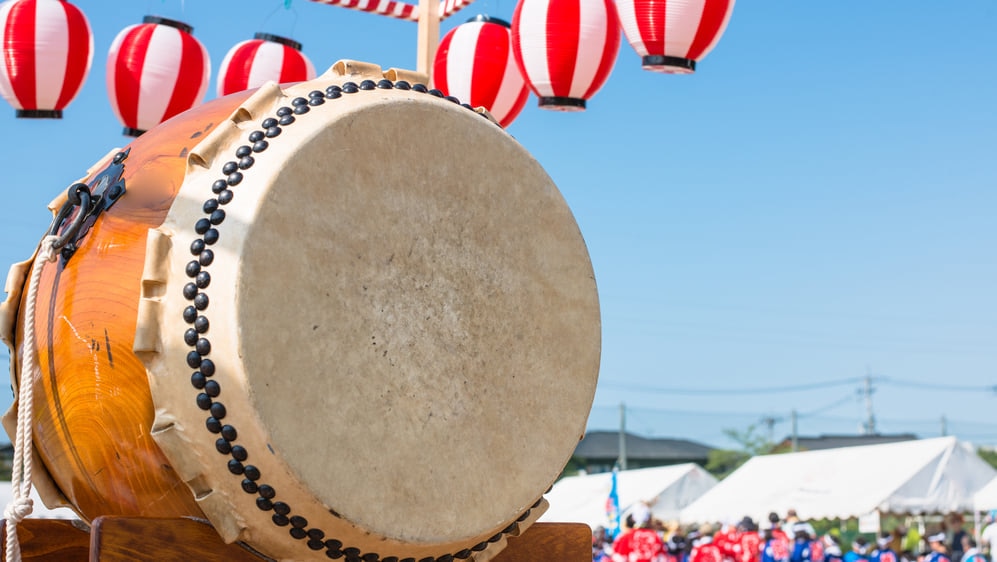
(252,63)
(155,70)
(672,35)
(565,48)
(47,49)
(474,63)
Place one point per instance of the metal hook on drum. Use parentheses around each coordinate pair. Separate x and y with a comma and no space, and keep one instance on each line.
(79,196)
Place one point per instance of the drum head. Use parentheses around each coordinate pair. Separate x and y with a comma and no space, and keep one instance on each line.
(404,326)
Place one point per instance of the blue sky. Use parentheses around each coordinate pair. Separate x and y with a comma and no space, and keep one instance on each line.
(815,204)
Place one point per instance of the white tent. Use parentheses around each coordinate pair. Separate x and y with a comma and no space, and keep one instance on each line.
(667,489)
(38,511)
(986,498)
(925,476)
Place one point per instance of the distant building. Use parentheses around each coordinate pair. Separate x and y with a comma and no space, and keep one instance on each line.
(838,441)
(598,451)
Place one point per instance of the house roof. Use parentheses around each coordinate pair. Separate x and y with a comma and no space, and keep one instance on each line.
(606,445)
(835,441)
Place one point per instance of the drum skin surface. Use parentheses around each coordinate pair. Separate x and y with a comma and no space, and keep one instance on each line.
(93,412)
(337,321)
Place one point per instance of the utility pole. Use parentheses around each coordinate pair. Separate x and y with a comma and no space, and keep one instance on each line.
(869,428)
(769,422)
(795,442)
(623,436)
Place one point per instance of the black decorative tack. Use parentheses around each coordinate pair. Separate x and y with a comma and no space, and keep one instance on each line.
(212,388)
(189,314)
(403,85)
(464,554)
(316,101)
(317,534)
(452,99)
(333,88)
(315,94)
(350,88)
(287,120)
(201,301)
(223,446)
(390,559)
(301,109)
(435,92)
(421,88)
(201,324)
(190,336)
(218,410)
(211,236)
(315,545)
(408,560)
(368,85)
(267,491)
(210,206)
(256,136)
(333,544)
(193,268)
(193,359)
(225,197)
(273,132)
(230,167)
(264,504)
(334,94)
(202,226)
(189,292)
(239,452)
(235,178)
(467,106)
(445,558)
(217,217)
(260,146)
(370,557)
(235,467)
(523,517)
(268,122)
(249,486)
(253,473)
(298,533)
(480,546)
(299,101)
(206,257)
(229,432)
(243,151)
(385,84)
(204,401)
(282,111)
(213,425)
(281,508)
(427,559)
(207,367)
(351,551)
(197,246)
(218,186)
(281,520)
(197,380)
(246,162)
(300,522)
(495,538)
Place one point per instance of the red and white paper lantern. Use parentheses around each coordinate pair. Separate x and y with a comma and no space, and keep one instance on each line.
(47,48)
(252,63)
(672,35)
(155,70)
(565,48)
(474,63)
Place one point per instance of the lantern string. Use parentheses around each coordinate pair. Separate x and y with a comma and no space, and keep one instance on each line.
(286,4)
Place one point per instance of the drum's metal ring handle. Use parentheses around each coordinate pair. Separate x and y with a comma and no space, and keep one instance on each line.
(79,196)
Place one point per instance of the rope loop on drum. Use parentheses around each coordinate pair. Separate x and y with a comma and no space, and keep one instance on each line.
(21,504)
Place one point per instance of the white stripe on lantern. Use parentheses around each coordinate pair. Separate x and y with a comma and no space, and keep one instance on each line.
(720,30)
(512,85)
(159,75)
(51,52)
(460,60)
(6,88)
(383,6)
(533,43)
(592,30)
(267,64)
(112,67)
(627,11)
(681,24)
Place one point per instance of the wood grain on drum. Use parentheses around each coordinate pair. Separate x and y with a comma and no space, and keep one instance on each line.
(93,411)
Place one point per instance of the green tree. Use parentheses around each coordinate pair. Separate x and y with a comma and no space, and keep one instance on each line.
(721,462)
(989,455)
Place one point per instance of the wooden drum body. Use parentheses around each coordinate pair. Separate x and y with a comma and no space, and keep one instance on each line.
(344,319)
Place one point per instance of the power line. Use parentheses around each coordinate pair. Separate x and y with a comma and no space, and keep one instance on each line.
(721,390)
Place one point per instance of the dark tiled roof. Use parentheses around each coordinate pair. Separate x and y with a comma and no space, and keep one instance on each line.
(606,445)
(836,441)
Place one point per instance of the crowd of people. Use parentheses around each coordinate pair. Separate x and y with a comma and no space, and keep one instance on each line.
(644,539)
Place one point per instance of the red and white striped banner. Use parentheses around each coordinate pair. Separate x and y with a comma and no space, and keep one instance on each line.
(397,8)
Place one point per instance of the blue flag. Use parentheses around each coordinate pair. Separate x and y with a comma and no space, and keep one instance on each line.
(613,510)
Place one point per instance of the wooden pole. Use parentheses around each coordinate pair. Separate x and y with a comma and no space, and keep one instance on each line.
(429,35)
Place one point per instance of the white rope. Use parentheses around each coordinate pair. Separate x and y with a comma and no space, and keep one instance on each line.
(20,505)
